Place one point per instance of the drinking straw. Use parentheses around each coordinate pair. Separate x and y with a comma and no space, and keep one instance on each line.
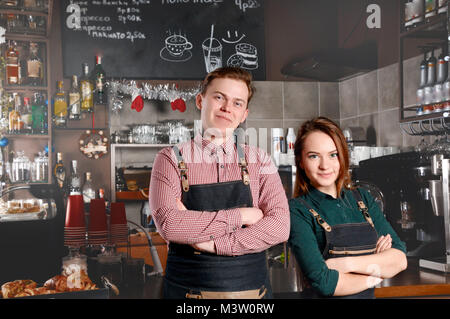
(210,44)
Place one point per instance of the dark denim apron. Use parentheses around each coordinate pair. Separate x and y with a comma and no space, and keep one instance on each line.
(344,240)
(189,271)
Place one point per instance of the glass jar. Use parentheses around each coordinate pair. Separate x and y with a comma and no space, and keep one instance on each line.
(21,168)
(40,168)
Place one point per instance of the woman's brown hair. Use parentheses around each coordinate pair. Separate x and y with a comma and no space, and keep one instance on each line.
(327,126)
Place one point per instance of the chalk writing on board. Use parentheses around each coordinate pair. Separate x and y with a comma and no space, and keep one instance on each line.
(247,4)
(177,48)
(99,27)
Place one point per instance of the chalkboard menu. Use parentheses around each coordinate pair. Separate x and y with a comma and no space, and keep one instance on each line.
(163,39)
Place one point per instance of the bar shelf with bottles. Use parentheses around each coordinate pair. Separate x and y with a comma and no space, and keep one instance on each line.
(25,17)
(77,108)
(425,23)
(421,17)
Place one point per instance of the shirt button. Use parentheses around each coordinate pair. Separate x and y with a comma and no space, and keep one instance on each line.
(234,228)
(211,237)
(338,205)
(222,166)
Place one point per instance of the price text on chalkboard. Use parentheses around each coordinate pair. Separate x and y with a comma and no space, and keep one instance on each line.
(163,39)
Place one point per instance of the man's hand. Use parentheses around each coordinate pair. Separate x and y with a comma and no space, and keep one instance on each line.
(250,215)
(180,205)
(206,246)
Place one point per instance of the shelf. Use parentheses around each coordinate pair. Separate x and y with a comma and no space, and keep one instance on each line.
(41,13)
(434,28)
(132,196)
(24,88)
(26,37)
(430,29)
(80,128)
(141,145)
(31,136)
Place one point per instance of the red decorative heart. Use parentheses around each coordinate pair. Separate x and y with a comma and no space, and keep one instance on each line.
(178,104)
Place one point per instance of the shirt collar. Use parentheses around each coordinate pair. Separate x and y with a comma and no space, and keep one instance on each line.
(227,147)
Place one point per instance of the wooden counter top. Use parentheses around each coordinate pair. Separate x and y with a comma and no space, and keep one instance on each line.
(415,282)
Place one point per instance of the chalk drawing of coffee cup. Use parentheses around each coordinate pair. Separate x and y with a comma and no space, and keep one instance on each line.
(176,45)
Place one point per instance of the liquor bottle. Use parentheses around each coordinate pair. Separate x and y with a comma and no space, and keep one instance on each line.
(74,100)
(88,189)
(14,116)
(25,115)
(12,64)
(34,66)
(38,118)
(87,88)
(98,77)
(60,106)
(29,4)
(59,171)
(74,182)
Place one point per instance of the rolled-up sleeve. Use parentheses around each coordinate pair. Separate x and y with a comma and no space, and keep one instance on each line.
(183,226)
(304,245)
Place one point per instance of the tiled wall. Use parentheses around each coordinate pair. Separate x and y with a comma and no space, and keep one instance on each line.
(372,102)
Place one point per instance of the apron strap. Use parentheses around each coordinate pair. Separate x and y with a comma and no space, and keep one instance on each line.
(183,169)
(318,218)
(243,165)
(362,207)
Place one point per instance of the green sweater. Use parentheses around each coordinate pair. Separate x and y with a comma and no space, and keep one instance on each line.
(307,237)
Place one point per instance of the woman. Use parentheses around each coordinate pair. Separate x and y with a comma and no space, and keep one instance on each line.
(330,219)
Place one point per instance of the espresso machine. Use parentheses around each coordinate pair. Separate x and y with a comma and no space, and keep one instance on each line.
(408,185)
(440,199)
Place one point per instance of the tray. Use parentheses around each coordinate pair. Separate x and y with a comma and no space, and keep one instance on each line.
(101,293)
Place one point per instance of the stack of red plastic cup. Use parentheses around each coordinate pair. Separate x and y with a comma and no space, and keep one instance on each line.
(118,223)
(98,227)
(75,225)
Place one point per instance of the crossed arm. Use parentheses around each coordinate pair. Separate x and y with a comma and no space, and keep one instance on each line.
(362,272)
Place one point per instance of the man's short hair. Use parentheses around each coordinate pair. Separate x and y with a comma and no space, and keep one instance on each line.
(230,73)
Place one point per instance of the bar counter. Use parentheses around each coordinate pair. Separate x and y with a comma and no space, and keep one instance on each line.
(414,282)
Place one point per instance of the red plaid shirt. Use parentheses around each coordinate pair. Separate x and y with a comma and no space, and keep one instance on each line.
(209,163)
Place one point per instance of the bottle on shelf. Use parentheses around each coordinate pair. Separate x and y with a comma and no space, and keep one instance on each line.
(12,64)
(88,189)
(74,100)
(442,6)
(74,181)
(431,81)
(441,76)
(29,4)
(59,172)
(26,115)
(15,120)
(98,77)
(60,106)
(87,88)
(35,74)
(290,141)
(38,115)
(420,93)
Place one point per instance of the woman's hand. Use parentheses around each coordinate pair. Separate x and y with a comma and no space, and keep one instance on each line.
(383,243)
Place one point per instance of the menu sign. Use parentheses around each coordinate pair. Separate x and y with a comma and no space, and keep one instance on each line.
(163,39)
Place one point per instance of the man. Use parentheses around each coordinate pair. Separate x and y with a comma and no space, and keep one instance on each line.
(219,204)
